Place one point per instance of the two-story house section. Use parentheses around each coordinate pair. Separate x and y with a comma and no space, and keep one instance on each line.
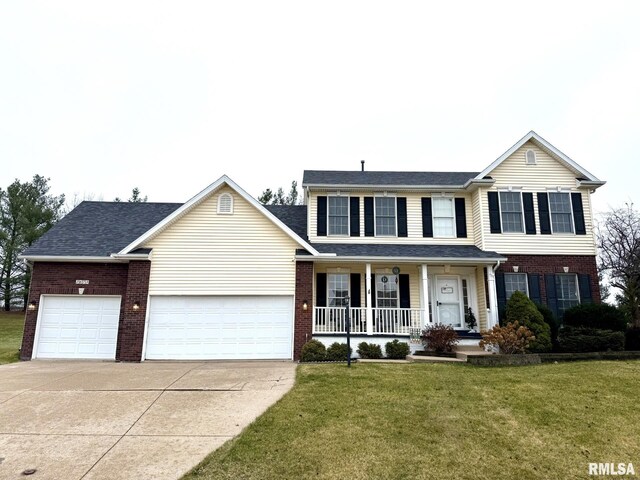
(410,249)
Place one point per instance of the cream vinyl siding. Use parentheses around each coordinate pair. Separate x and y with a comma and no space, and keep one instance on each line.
(206,253)
(481,314)
(478,217)
(414,221)
(546,173)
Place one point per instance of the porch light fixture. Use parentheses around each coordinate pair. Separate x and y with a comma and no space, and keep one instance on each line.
(516,268)
(32,305)
(305,305)
(136,306)
(566,269)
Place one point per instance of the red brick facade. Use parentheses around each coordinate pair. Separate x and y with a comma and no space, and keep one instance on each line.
(303,318)
(545,264)
(131,281)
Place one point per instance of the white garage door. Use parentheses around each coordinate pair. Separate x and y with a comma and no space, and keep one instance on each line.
(219,327)
(78,327)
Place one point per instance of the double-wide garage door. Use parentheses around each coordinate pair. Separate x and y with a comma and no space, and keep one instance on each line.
(219,327)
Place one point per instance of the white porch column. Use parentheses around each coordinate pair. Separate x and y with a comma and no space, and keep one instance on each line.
(369,314)
(424,293)
(493,297)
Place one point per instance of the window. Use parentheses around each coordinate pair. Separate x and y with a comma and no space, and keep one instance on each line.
(338,289)
(385,216)
(387,291)
(338,215)
(560,210)
(531,157)
(511,212)
(515,282)
(443,217)
(567,288)
(225,203)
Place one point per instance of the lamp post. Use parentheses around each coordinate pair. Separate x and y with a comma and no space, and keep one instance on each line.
(347,329)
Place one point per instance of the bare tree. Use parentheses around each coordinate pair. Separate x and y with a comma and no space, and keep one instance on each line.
(619,256)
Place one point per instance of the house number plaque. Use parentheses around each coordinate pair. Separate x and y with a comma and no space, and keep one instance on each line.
(82,282)
(448,290)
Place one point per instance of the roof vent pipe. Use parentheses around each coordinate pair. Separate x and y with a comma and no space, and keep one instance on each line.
(362,164)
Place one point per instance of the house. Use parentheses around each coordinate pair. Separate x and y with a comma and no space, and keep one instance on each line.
(224,277)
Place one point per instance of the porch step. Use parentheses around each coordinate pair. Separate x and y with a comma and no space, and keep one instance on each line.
(425,359)
(463,351)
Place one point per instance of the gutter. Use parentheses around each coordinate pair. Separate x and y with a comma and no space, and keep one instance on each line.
(451,261)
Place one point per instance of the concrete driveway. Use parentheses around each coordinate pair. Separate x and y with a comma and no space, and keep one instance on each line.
(99,420)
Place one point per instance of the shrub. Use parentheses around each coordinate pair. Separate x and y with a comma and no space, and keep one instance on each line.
(632,341)
(369,350)
(522,310)
(585,339)
(596,315)
(313,351)
(337,352)
(397,350)
(550,319)
(439,338)
(470,319)
(510,339)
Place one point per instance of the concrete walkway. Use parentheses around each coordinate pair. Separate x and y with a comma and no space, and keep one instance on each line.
(104,420)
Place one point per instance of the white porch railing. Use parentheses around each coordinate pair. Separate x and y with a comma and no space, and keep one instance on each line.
(333,320)
(398,321)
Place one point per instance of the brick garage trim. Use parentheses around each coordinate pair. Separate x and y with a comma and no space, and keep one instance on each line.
(547,264)
(303,318)
(130,281)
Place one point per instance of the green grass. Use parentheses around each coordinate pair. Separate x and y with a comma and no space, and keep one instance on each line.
(11,325)
(440,421)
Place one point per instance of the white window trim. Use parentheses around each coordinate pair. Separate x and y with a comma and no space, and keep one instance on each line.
(575,276)
(375,279)
(453,204)
(375,216)
(573,224)
(512,190)
(526,281)
(328,289)
(225,194)
(342,235)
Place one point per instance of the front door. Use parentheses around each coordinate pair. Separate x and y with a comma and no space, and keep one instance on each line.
(448,301)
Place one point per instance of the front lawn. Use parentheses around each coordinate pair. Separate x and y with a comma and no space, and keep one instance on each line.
(11,325)
(441,421)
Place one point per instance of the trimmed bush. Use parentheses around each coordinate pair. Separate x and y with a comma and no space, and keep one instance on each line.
(439,338)
(369,350)
(337,352)
(596,315)
(632,341)
(584,339)
(522,310)
(397,350)
(513,338)
(313,351)
(550,319)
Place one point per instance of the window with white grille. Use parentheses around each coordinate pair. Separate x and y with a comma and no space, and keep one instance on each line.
(531,157)
(225,203)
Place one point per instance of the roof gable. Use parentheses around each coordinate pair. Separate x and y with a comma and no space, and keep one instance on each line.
(371,178)
(540,142)
(199,198)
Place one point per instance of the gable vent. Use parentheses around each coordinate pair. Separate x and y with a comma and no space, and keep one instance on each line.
(225,203)
(531,157)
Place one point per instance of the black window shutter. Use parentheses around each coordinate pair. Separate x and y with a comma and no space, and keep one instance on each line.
(552,296)
(461,218)
(368,217)
(427,218)
(529,214)
(373,290)
(322,217)
(354,213)
(494,212)
(402,216)
(578,213)
(543,211)
(355,290)
(584,284)
(321,289)
(534,288)
(405,297)
(501,293)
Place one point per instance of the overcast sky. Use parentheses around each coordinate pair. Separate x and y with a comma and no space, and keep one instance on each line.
(168,96)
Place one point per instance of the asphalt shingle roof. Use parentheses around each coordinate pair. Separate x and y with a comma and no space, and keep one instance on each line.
(98,229)
(293,216)
(373,178)
(403,250)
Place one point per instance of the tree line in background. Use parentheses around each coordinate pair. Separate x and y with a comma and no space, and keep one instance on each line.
(28,210)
